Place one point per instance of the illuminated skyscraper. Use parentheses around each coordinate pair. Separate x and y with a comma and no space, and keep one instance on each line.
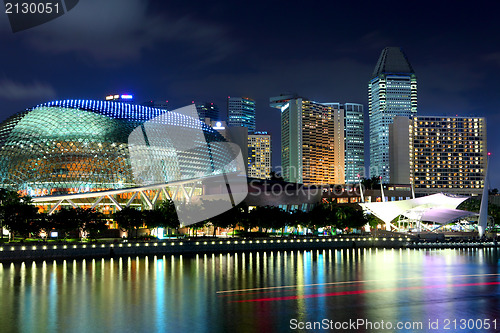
(446,154)
(312,140)
(241,112)
(392,91)
(208,110)
(259,155)
(354,140)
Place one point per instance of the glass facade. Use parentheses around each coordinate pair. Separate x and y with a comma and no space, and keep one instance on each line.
(80,146)
(241,112)
(392,91)
(354,142)
(208,110)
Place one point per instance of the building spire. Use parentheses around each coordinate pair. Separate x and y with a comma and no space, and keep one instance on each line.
(392,60)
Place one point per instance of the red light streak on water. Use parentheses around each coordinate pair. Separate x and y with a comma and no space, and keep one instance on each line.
(358,281)
(365,291)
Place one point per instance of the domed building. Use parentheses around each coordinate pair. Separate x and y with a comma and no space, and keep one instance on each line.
(63,152)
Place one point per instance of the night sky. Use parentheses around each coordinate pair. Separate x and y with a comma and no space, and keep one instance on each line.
(182,51)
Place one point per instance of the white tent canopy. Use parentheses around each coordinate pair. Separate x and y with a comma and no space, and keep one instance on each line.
(445,216)
(439,208)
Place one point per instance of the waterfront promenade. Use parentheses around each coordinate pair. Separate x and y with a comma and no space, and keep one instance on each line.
(49,251)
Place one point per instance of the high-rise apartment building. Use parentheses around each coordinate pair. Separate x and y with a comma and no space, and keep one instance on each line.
(259,155)
(312,141)
(208,110)
(446,154)
(392,91)
(241,112)
(321,143)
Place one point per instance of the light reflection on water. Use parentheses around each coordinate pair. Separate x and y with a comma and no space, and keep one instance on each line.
(197,293)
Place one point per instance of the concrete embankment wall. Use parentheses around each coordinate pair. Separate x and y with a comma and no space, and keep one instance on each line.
(20,252)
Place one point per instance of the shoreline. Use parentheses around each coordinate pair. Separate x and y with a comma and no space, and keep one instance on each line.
(40,252)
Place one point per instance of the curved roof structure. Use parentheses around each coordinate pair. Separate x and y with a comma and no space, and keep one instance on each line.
(444,216)
(80,146)
(439,208)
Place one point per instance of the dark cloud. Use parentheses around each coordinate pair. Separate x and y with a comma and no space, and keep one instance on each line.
(493,58)
(18,91)
(327,81)
(375,40)
(448,88)
(117,30)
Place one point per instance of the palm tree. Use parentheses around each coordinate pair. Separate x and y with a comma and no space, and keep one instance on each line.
(67,220)
(18,214)
(92,222)
(371,183)
(129,219)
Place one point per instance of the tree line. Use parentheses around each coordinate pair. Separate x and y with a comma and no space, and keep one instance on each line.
(22,218)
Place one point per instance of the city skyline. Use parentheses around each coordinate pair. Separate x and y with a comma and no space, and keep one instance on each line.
(212,55)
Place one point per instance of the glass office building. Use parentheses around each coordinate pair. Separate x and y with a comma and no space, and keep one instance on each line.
(354,138)
(241,112)
(208,110)
(392,91)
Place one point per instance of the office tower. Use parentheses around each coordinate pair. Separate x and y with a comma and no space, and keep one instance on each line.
(354,140)
(259,155)
(312,141)
(446,154)
(321,143)
(392,91)
(241,112)
(208,110)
